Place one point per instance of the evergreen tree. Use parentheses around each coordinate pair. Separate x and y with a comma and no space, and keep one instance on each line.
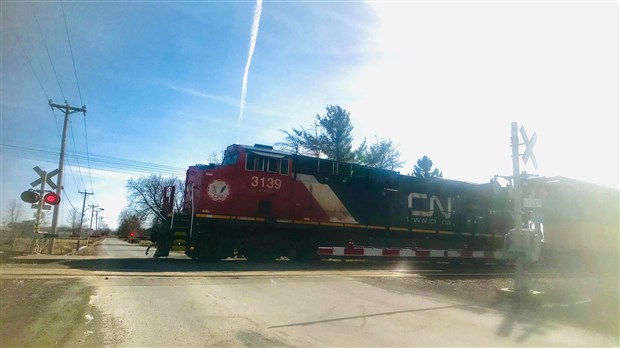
(293,141)
(424,169)
(335,139)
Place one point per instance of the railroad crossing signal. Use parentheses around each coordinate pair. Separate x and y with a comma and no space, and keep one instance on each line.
(43,176)
(529,147)
(30,196)
(34,196)
(520,277)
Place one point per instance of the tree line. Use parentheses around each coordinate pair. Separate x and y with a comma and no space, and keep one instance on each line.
(330,137)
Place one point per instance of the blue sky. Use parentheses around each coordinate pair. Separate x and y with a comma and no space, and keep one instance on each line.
(162,84)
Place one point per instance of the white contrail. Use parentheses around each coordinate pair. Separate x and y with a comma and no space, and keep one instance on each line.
(244,85)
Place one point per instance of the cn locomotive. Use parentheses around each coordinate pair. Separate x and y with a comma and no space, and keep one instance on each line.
(266,203)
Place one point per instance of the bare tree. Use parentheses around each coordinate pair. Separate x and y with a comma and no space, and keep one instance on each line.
(146,194)
(74,217)
(129,221)
(13,211)
(215,158)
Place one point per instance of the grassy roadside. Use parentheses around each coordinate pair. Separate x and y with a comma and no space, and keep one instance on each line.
(14,244)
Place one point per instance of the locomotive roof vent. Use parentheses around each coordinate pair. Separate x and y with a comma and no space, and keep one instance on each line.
(261,146)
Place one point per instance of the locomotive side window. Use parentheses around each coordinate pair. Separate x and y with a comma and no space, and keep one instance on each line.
(249,161)
(272,165)
(260,164)
(284,166)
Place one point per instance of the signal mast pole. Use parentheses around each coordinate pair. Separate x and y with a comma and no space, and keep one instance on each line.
(520,278)
(37,220)
(516,177)
(68,110)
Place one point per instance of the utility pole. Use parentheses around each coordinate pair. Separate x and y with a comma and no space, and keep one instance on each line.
(67,110)
(82,216)
(92,213)
(97,218)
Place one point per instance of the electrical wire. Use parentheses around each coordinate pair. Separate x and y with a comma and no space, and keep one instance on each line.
(77,81)
(71,51)
(90,176)
(67,198)
(101,162)
(77,161)
(31,66)
(48,53)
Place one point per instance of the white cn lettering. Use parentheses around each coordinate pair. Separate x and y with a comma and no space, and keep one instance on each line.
(433,200)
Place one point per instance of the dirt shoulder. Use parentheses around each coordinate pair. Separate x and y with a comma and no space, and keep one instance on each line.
(47,313)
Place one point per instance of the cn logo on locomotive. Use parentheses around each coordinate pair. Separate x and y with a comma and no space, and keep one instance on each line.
(218,190)
(433,201)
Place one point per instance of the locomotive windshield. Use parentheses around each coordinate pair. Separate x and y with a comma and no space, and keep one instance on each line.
(230,159)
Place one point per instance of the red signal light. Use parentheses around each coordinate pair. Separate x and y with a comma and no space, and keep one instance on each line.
(51,198)
(132,234)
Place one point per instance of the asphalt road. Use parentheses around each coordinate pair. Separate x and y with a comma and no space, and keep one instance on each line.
(184,303)
(116,248)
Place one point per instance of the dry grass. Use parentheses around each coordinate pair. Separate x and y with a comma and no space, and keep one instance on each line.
(23,245)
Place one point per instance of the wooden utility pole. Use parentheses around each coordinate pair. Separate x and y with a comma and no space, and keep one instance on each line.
(67,110)
(92,214)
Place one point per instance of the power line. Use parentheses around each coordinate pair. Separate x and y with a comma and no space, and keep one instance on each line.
(48,52)
(77,161)
(56,121)
(90,176)
(101,162)
(77,81)
(31,66)
(71,51)
(67,198)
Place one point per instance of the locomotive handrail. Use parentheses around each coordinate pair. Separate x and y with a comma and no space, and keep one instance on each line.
(191,222)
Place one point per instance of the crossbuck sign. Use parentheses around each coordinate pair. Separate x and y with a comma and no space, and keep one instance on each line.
(529,147)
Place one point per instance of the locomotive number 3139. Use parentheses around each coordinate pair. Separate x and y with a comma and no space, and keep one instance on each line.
(263,182)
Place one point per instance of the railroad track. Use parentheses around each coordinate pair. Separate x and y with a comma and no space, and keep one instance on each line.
(119,267)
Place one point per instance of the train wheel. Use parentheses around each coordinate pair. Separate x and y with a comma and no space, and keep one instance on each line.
(212,251)
(261,255)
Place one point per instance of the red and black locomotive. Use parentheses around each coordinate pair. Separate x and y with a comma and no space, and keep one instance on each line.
(267,203)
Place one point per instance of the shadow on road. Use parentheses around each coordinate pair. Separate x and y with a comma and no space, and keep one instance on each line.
(188,265)
(369,315)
